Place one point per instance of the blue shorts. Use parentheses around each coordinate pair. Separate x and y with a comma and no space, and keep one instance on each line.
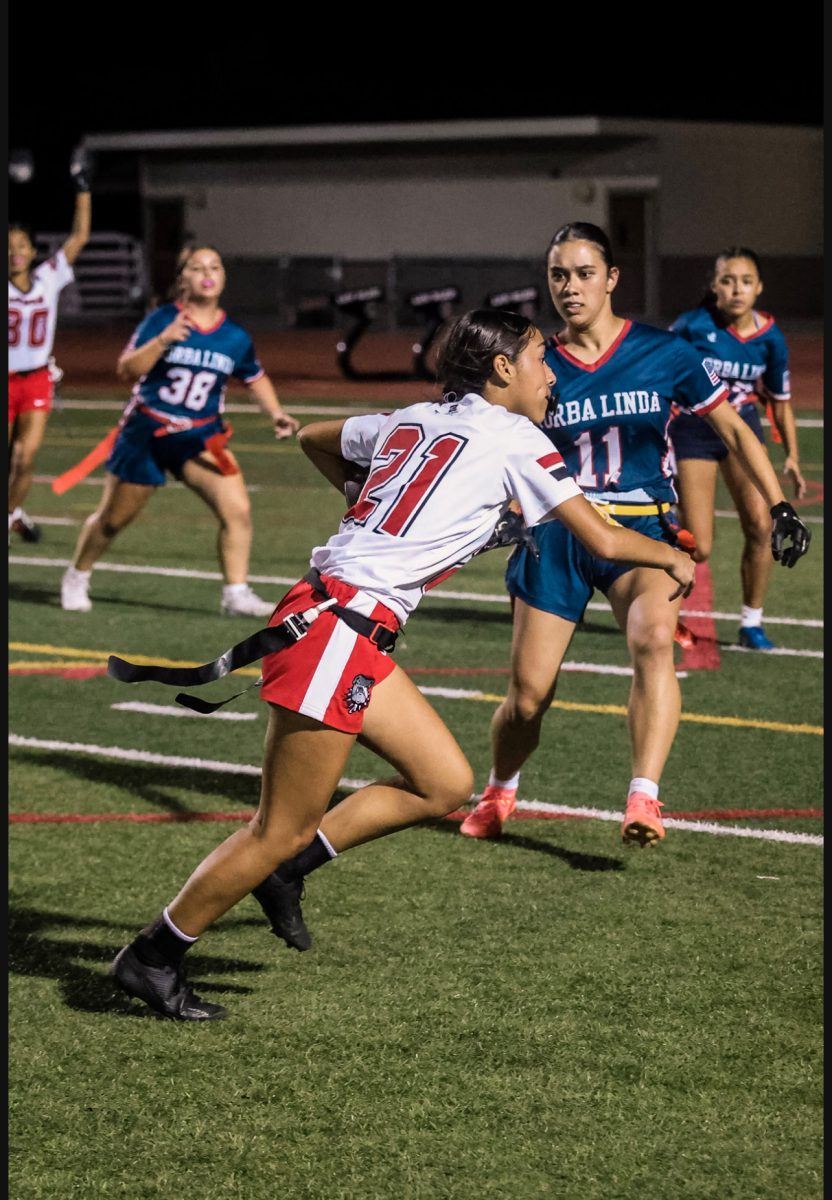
(563,579)
(139,457)
(693,438)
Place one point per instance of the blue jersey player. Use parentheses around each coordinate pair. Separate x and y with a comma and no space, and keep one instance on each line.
(617,383)
(745,348)
(180,360)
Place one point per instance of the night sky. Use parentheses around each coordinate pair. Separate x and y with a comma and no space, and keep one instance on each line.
(148,70)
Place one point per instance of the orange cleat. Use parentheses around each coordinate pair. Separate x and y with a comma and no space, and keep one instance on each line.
(686,638)
(486,821)
(642,820)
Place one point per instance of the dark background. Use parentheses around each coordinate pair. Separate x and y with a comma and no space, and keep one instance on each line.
(96,69)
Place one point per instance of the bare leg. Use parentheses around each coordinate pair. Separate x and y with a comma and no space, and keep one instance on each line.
(639,600)
(539,642)
(227,497)
(434,775)
(696,482)
(120,504)
(303,763)
(756,562)
(25,438)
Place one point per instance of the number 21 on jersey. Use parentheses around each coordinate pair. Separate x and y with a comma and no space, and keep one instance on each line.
(393,459)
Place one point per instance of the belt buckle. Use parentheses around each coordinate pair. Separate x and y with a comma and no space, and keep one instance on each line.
(296,625)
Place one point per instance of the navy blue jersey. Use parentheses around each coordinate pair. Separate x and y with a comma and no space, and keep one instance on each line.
(610,424)
(756,362)
(190,378)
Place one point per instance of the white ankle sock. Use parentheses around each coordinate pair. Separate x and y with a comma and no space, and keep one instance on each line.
(186,937)
(14,514)
(230,590)
(72,573)
(511,784)
(647,786)
(750,617)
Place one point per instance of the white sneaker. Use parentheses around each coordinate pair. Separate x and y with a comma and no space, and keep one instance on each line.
(246,604)
(75,592)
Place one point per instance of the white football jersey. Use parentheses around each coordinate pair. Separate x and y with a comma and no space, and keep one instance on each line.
(33,315)
(440,476)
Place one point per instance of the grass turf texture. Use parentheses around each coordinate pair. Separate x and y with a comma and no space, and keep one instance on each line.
(550,1015)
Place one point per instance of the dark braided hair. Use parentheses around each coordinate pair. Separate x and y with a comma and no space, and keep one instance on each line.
(469,345)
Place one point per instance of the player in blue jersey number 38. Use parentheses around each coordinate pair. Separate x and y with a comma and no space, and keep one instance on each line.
(180,360)
(618,382)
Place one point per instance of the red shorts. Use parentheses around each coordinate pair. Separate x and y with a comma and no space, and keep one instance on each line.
(31,391)
(329,674)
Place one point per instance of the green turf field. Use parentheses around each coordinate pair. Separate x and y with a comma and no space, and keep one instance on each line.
(550,1015)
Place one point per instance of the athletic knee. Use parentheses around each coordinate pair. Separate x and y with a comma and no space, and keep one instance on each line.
(279,842)
(651,639)
(758,532)
(526,703)
(452,791)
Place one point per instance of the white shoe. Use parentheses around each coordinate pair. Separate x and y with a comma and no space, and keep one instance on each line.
(246,604)
(75,592)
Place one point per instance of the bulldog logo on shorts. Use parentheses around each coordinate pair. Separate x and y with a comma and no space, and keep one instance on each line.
(357,695)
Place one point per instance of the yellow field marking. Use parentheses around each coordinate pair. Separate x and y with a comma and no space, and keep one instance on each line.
(58,664)
(617,710)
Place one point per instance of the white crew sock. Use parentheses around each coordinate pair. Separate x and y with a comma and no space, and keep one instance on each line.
(186,937)
(647,786)
(750,617)
(511,784)
(230,590)
(73,575)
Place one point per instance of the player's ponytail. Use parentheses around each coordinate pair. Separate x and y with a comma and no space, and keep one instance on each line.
(470,343)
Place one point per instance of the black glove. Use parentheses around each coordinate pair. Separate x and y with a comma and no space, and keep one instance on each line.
(511,530)
(787,524)
(80,169)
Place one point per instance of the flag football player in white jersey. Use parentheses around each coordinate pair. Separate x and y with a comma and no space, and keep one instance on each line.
(34,292)
(440,476)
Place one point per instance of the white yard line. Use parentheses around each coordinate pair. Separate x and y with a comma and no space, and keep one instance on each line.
(171,710)
(25,560)
(208,764)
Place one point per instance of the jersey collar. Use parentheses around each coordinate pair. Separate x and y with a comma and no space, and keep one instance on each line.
(599,362)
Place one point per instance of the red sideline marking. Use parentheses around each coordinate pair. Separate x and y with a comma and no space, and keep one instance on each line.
(732,814)
(64,672)
(704,656)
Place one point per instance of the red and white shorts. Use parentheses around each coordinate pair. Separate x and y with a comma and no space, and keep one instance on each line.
(329,674)
(30,391)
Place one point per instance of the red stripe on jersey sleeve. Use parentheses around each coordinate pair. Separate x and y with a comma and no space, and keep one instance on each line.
(550,460)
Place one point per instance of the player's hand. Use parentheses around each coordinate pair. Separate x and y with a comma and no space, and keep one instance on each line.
(511,530)
(285,426)
(179,328)
(786,524)
(683,570)
(80,169)
(791,471)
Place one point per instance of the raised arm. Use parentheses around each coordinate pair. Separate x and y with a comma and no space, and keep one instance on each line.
(81,225)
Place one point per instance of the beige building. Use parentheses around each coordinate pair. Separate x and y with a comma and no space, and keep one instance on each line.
(303,212)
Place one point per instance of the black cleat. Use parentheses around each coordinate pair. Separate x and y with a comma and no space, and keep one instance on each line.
(25,527)
(165,989)
(281,903)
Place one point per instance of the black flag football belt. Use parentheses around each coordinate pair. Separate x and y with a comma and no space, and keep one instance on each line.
(265,641)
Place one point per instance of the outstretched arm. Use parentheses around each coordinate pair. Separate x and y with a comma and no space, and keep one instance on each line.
(603,539)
